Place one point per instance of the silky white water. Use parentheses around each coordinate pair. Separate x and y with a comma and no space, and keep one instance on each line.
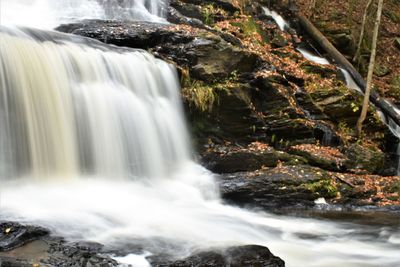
(280,21)
(48,14)
(310,56)
(93,145)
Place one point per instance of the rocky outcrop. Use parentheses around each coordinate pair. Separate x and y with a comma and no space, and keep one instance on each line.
(195,49)
(233,257)
(225,160)
(28,246)
(289,186)
(14,235)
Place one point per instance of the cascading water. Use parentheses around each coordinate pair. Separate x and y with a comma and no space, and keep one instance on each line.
(280,21)
(308,55)
(394,128)
(51,13)
(93,145)
(56,98)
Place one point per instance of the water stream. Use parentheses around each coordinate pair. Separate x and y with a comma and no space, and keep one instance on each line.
(51,13)
(94,146)
(350,82)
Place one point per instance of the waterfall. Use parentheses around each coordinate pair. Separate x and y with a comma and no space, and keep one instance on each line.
(72,109)
(51,13)
(93,145)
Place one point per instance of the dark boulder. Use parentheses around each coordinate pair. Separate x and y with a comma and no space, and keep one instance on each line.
(196,50)
(366,158)
(239,160)
(250,255)
(13,235)
(283,187)
(143,35)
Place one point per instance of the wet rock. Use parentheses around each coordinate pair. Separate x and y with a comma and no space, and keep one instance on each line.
(18,248)
(230,60)
(239,161)
(381,70)
(336,103)
(188,9)
(12,262)
(78,254)
(175,16)
(321,70)
(230,118)
(367,158)
(343,42)
(284,120)
(317,160)
(224,4)
(279,40)
(197,51)
(13,235)
(130,34)
(250,255)
(288,186)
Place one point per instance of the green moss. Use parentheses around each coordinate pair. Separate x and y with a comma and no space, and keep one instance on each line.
(200,96)
(394,89)
(208,14)
(393,187)
(249,27)
(203,95)
(324,188)
(392,15)
(381,70)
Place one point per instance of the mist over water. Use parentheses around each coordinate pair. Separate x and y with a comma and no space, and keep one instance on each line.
(94,146)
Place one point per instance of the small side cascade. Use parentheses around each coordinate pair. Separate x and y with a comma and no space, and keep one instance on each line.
(350,82)
(280,21)
(395,129)
(310,56)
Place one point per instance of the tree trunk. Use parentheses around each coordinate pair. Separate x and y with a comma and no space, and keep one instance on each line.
(370,69)
(340,60)
(312,7)
(364,21)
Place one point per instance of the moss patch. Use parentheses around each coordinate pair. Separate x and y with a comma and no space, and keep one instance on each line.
(323,188)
